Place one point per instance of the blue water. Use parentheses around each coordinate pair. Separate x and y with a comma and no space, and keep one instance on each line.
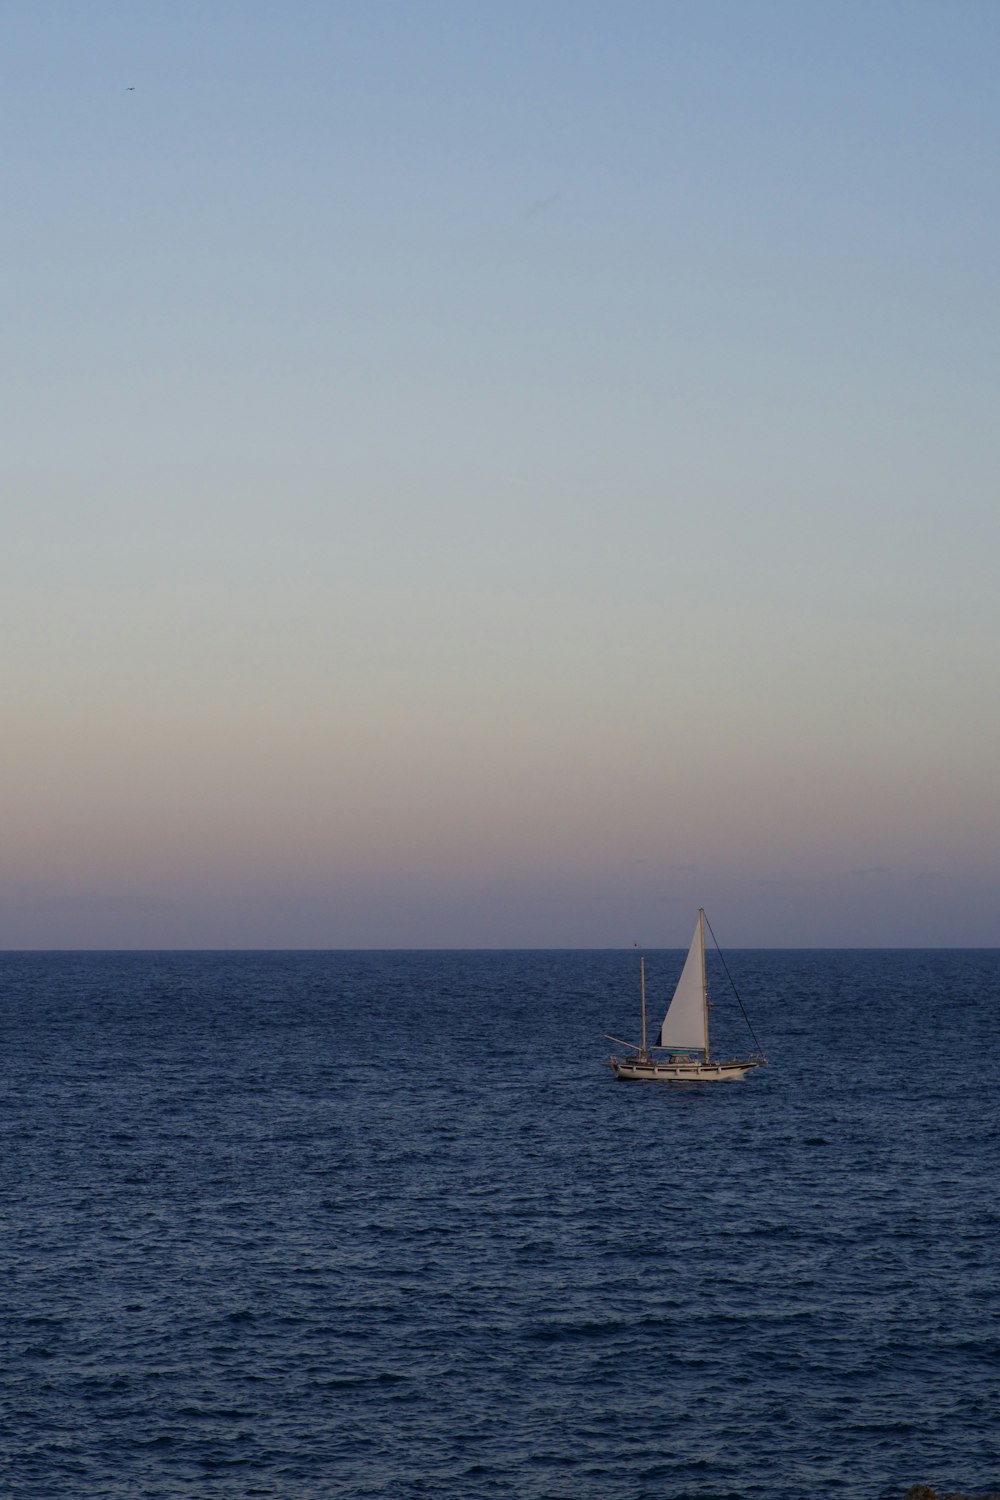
(321,1225)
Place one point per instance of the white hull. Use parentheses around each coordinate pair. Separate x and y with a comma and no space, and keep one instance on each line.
(650,1070)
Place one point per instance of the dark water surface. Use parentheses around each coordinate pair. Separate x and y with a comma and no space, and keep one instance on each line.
(316,1225)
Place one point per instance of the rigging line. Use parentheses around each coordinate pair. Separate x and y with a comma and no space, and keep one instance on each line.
(736,992)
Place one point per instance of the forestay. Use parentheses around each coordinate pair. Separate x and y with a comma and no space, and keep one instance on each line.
(686,1021)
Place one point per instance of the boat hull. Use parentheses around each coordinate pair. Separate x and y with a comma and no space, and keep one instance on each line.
(643,1070)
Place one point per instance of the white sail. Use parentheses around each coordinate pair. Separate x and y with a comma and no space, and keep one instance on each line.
(685,1024)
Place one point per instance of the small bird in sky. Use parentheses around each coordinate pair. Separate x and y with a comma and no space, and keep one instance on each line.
(130,89)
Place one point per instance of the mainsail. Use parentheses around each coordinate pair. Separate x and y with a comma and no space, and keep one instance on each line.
(686,1022)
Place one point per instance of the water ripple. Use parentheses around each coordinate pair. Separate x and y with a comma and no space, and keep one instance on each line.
(249,1252)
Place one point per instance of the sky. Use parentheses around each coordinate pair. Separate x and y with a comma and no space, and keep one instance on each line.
(499,475)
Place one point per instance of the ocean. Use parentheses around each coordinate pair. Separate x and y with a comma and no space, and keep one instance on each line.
(312,1225)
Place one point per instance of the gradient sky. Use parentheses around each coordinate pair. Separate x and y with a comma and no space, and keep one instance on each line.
(500,475)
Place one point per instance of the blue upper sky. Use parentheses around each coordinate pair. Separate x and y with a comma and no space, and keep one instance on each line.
(485,475)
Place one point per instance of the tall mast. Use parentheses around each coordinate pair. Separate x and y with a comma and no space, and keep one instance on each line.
(642,986)
(704,977)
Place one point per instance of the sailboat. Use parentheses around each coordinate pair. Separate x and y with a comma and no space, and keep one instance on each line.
(681,1055)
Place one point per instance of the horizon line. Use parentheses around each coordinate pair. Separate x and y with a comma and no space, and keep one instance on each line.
(535,948)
